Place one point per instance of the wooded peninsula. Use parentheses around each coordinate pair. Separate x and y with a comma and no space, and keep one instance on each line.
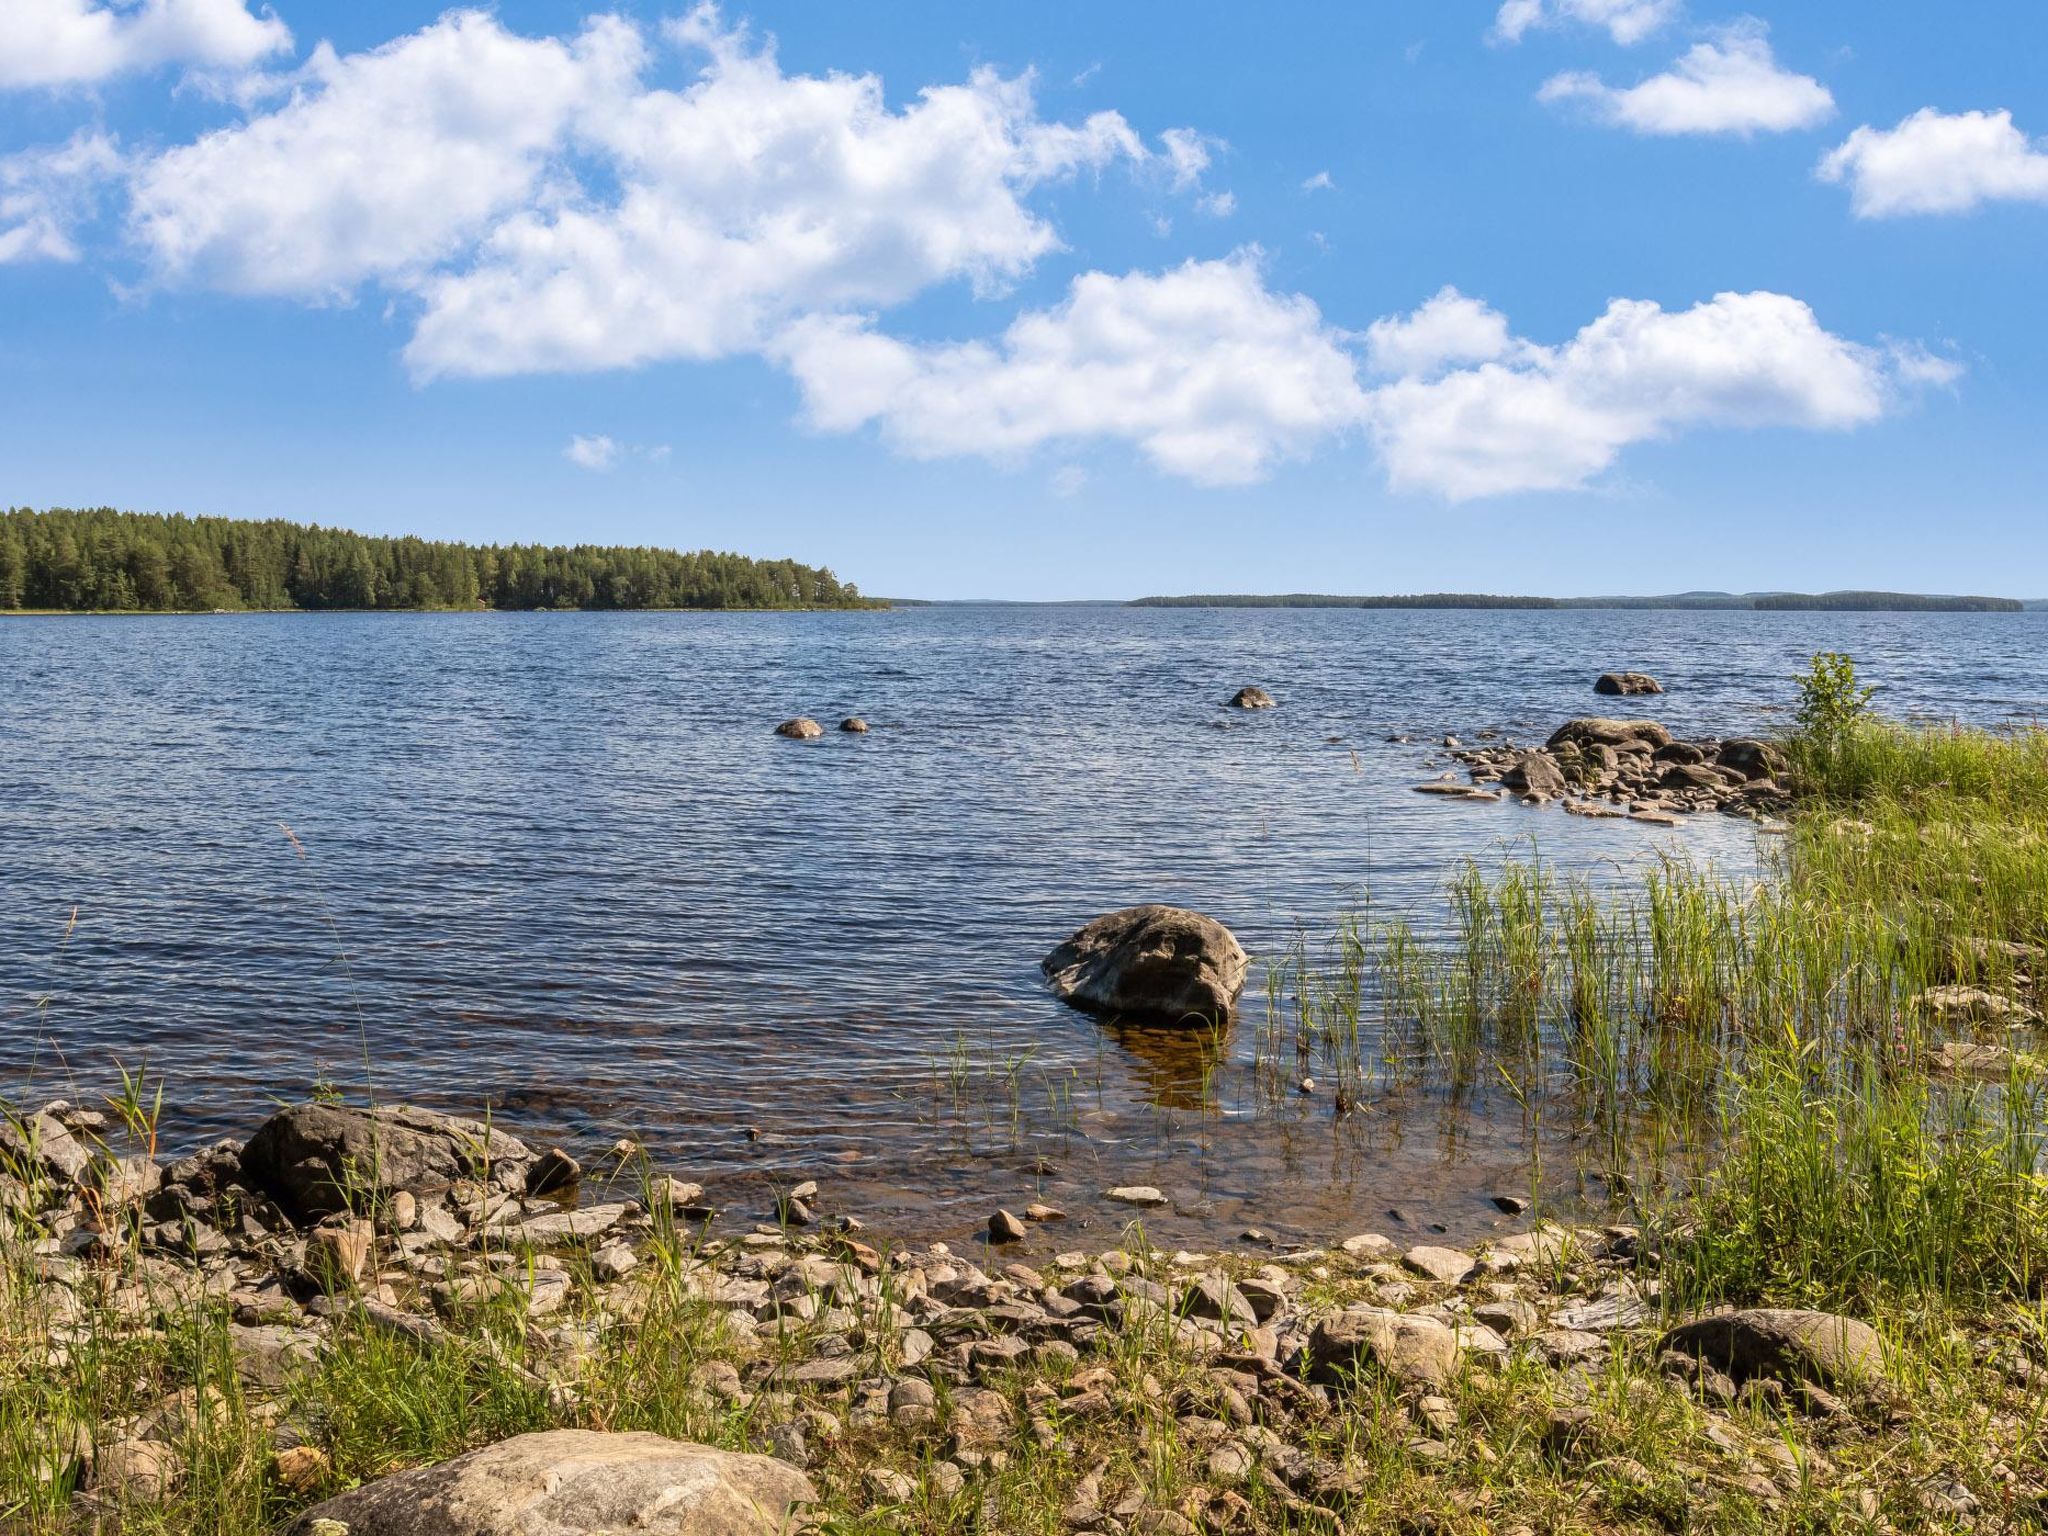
(108,561)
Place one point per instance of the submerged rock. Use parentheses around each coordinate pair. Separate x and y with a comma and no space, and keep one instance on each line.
(576,1482)
(853,725)
(1626,684)
(1253,698)
(802,728)
(1154,961)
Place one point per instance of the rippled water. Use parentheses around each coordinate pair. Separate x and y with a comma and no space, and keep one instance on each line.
(559,863)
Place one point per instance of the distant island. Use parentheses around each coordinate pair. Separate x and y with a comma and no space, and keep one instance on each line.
(130,562)
(1832,602)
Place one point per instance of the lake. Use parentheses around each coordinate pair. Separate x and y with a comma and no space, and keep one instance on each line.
(560,864)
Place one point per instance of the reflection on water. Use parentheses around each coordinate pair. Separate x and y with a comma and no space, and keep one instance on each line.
(559,864)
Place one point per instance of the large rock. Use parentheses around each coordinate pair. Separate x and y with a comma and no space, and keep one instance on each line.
(1626,684)
(1415,1351)
(1599,731)
(576,1482)
(315,1159)
(1784,1344)
(1751,758)
(1252,698)
(1153,961)
(802,728)
(1535,773)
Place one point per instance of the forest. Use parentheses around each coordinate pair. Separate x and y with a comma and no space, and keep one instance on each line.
(104,560)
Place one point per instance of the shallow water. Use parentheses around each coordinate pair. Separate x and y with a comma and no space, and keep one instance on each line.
(559,863)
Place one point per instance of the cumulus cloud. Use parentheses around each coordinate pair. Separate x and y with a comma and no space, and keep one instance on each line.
(1320,182)
(379,164)
(1551,418)
(46,193)
(1448,329)
(1728,84)
(1626,21)
(82,42)
(1935,162)
(1210,374)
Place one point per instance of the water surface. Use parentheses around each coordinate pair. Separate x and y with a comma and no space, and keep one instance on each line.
(559,864)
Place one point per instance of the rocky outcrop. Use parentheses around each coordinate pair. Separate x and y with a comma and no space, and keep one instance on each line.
(853,725)
(1535,773)
(576,1482)
(1599,731)
(1785,1345)
(1153,962)
(1252,698)
(315,1159)
(802,728)
(1626,684)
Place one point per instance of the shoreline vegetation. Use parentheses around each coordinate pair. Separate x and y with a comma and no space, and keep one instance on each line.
(1809,1112)
(104,561)
(1755,602)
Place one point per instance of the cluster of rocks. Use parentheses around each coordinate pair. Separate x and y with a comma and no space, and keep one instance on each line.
(401,1220)
(804,728)
(1602,767)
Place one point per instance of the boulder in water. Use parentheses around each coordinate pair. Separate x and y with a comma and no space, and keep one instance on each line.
(1535,773)
(1622,735)
(1626,684)
(1151,961)
(1253,698)
(802,728)
(1752,759)
(316,1159)
(853,725)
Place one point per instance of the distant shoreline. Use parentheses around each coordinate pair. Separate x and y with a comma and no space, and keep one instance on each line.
(1750,602)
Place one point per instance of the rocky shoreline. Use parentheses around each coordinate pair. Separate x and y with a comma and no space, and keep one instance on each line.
(856,1376)
(1600,767)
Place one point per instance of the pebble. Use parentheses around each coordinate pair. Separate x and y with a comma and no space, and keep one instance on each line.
(1134,1194)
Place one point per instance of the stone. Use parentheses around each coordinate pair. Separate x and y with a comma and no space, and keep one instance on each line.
(1413,1350)
(553,1170)
(1369,1245)
(1037,1210)
(1214,1297)
(141,1470)
(577,1482)
(315,1159)
(1446,1266)
(1535,773)
(269,1354)
(1134,1194)
(338,1250)
(567,1226)
(1626,684)
(912,1401)
(1005,1228)
(1751,758)
(1252,698)
(853,725)
(802,728)
(1975,1005)
(1599,731)
(1155,961)
(300,1469)
(613,1262)
(1784,1344)
(1509,1317)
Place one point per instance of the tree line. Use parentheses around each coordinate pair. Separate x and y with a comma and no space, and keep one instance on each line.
(149,562)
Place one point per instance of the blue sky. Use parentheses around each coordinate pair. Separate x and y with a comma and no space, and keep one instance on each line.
(1562,296)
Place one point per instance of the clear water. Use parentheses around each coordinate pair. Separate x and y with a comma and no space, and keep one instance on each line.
(560,864)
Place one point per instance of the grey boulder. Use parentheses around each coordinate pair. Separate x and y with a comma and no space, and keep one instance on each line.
(1252,698)
(315,1159)
(1626,684)
(1599,731)
(1415,1351)
(1785,1344)
(1153,962)
(575,1482)
(802,728)
(1535,773)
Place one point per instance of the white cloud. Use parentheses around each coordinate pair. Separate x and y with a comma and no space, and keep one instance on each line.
(1187,155)
(1626,21)
(1448,329)
(1552,418)
(1213,377)
(46,193)
(1320,182)
(598,453)
(1730,84)
(82,42)
(380,164)
(1935,162)
(1217,205)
